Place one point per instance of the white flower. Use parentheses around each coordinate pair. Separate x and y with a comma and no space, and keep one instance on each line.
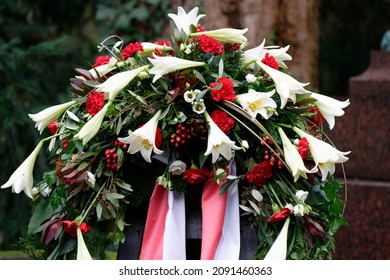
(164,182)
(299,210)
(89,130)
(22,178)
(166,64)
(286,86)
(226,35)
(82,250)
(255,102)
(278,250)
(324,155)
(183,21)
(257,54)
(199,107)
(218,143)
(190,95)
(143,139)
(48,115)
(329,107)
(105,68)
(250,78)
(301,195)
(293,158)
(177,167)
(118,82)
(149,48)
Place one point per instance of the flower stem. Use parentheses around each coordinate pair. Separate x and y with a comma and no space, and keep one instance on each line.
(92,203)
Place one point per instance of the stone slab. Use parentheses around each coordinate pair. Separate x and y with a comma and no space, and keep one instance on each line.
(367,237)
(365,127)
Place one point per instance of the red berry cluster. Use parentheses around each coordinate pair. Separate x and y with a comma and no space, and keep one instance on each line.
(267,155)
(111,159)
(120,144)
(112,156)
(181,135)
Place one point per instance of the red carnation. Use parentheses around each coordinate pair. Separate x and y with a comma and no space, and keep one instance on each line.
(95,102)
(195,176)
(303,148)
(101,60)
(71,227)
(53,127)
(208,44)
(226,92)
(260,173)
(132,48)
(280,216)
(222,120)
(270,61)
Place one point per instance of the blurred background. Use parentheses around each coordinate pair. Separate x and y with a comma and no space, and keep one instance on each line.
(41,42)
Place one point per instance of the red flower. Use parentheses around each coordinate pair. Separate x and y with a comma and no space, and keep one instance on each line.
(159,138)
(280,216)
(95,102)
(101,60)
(195,176)
(131,48)
(226,92)
(163,42)
(234,47)
(53,127)
(208,44)
(71,227)
(303,148)
(318,119)
(270,61)
(222,120)
(260,173)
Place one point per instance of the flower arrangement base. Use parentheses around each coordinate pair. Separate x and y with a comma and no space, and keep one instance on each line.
(136,218)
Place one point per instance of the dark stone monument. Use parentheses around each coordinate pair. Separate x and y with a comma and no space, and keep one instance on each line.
(365,130)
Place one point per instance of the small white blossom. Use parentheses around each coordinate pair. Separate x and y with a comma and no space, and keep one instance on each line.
(301,195)
(199,107)
(177,167)
(250,78)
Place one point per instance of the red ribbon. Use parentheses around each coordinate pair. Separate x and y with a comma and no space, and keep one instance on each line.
(153,240)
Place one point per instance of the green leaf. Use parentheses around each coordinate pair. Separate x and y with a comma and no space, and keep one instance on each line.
(226,186)
(99,210)
(123,185)
(42,212)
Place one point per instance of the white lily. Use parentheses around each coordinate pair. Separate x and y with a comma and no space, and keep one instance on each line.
(118,82)
(218,143)
(225,35)
(50,114)
(166,64)
(89,130)
(255,102)
(324,155)
(149,48)
(257,54)
(286,86)
(183,21)
(278,251)
(293,158)
(22,178)
(143,139)
(82,250)
(329,107)
(105,68)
